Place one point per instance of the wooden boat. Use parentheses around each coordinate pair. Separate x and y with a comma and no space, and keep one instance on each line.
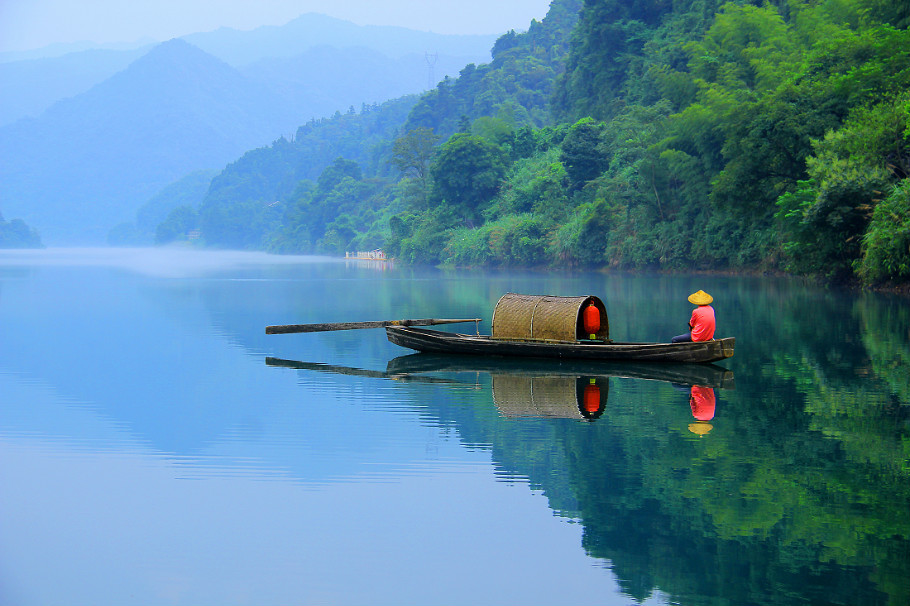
(541,326)
(437,341)
(535,326)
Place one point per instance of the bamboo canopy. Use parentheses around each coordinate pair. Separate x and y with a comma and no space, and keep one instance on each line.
(543,317)
(545,397)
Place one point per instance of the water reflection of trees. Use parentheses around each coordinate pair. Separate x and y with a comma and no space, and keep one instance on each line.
(799,495)
(803,499)
(739,517)
(885,323)
(742,519)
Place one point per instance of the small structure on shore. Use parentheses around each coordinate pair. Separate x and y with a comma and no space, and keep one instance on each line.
(372,255)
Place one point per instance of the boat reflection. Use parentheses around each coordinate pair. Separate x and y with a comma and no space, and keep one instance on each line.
(574,389)
(554,397)
(709,375)
(357,372)
(543,388)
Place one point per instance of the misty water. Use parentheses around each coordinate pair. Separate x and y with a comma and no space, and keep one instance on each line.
(157,447)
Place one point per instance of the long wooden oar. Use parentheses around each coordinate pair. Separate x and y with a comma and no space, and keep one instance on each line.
(290,328)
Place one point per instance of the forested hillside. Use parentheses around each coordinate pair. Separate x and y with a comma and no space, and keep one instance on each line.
(257,201)
(627,134)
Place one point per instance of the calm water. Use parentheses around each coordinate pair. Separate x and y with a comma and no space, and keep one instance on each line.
(156,447)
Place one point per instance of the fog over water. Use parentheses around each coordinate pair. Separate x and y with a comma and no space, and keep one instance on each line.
(175,262)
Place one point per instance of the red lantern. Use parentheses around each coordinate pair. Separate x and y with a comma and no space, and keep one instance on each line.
(591,318)
(591,397)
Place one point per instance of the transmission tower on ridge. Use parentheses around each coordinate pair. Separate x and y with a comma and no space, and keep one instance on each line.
(431,64)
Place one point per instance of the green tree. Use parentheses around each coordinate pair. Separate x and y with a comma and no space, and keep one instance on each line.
(467,173)
(851,169)
(335,173)
(582,152)
(412,154)
(886,243)
(537,184)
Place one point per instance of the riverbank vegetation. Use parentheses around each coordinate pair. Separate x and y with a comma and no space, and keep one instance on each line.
(622,134)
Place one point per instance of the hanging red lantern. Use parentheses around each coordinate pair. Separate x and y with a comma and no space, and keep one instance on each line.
(591,319)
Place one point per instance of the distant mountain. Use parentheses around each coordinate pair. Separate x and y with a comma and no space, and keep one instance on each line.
(310,30)
(32,81)
(89,161)
(60,49)
(323,80)
(31,86)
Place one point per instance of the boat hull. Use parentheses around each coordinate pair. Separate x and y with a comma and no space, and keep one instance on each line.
(436,341)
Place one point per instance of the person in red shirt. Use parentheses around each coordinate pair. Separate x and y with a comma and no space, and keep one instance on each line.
(701,324)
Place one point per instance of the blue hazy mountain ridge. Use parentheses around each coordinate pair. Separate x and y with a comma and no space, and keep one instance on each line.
(31,86)
(240,48)
(325,79)
(59,49)
(32,81)
(88,162)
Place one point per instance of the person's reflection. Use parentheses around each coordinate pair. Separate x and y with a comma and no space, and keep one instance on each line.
(702,402)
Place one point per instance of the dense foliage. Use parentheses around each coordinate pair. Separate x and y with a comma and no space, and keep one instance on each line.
(620,133)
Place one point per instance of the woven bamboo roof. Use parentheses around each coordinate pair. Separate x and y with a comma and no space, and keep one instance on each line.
(544,317)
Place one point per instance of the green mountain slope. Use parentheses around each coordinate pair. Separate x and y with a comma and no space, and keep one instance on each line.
(676,136)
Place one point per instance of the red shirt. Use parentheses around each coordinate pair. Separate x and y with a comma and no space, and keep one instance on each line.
(702,323)
(701,399)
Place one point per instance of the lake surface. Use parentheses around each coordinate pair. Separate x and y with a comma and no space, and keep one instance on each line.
(156,447)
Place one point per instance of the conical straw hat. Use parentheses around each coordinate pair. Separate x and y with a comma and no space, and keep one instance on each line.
(700,298)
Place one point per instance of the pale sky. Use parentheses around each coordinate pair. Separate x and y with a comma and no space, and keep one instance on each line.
(31,24)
